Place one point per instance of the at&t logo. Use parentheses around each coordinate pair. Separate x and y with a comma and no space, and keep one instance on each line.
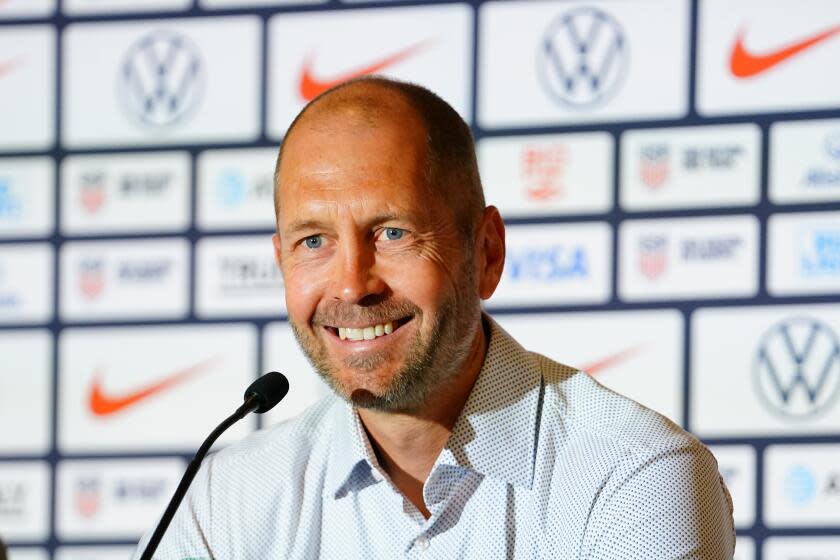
(583,58)
(800,485)
(161,81)
(797,368)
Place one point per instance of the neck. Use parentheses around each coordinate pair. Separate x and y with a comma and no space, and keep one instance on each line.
(408,443)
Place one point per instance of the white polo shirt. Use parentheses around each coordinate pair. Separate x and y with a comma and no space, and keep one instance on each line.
(543,463)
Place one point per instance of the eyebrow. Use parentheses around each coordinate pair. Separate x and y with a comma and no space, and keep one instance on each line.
(299,225)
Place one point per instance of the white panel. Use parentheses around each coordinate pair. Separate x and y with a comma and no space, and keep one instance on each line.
(744,548)
(211,4)
(805,161)
(237,277)
(93,552)
(755,56)
(84,7)
(27,197)
(801,548)
(688,258)
(638,354)
(736,464)
(25,500)
(161,82)
(553,63)
(26,391)
(151,388)
(26,283)
(548,174)
(554,264)
(113,499)
(759,371)
(803,253)
(309,52)
(27,87)
(13,9)
(690,167)
(130,193)
(123,280)
(802,486)
(281,352)
(235,189)
(28,553)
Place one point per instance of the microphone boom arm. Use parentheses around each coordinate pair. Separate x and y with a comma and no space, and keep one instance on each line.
(252,403)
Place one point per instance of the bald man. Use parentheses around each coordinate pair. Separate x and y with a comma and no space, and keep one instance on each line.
(445,438)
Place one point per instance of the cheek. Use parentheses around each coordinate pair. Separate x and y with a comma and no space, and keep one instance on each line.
(303,292)
(423,283)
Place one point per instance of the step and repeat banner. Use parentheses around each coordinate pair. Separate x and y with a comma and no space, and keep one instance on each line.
(669,171)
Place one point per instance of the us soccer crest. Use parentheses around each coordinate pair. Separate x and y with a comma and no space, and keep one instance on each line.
(653,256)
(542,168)
(91,277)
(92,191)
(654,165)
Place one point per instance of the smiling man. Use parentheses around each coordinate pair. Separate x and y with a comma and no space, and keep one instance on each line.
(445,438)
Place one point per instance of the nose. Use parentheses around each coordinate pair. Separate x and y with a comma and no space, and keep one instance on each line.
(356,276)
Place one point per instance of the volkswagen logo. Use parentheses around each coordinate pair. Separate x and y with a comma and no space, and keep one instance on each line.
(583,58)
(797,368)
(161,80)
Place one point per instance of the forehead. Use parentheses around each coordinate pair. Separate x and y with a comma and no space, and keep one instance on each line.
(352,160)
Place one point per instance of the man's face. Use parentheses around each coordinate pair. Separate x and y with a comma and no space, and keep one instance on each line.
(380,287)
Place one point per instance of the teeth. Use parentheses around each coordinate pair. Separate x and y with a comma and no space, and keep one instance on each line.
(366,333)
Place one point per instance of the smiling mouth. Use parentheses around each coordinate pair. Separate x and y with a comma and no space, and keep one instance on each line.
(368,332)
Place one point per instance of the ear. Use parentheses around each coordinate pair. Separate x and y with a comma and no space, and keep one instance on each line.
(275,239)
(490,249)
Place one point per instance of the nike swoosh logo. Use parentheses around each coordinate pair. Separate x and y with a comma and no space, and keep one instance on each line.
(311,87)
(598,366)
(745,64)
(102,404)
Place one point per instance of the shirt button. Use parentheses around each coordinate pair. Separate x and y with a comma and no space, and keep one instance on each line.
(422,543)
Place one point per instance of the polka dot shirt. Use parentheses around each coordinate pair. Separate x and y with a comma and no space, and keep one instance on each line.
(543,463)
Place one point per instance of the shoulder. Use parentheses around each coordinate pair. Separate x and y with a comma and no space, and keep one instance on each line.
(648,484)
(587,408)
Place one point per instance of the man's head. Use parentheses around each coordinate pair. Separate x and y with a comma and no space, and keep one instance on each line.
(382,233)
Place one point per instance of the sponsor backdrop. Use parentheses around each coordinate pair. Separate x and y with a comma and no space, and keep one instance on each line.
(669,170)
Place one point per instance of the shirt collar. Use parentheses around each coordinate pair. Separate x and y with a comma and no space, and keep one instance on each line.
(495,435)
(352,460)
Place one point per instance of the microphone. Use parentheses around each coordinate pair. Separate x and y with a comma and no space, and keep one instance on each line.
(260,396)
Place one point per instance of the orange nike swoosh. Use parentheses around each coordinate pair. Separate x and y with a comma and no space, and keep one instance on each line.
(105,405)
(745,64)
(311,87)
(598,366)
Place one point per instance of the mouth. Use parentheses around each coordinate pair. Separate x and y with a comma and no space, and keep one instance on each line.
(355,333)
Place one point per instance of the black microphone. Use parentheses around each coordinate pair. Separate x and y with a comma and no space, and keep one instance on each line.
(260,397)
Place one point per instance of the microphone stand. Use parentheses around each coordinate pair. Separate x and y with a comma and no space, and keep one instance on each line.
(252,403)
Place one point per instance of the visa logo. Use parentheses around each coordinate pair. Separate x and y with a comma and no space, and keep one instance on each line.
(546,264)
(823,256)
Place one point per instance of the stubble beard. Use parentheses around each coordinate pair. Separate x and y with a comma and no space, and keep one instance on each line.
(431,361)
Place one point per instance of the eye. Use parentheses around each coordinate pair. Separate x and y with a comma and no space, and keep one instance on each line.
(393,234)
(313,242)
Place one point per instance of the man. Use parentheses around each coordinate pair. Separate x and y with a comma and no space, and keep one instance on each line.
(446,438)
